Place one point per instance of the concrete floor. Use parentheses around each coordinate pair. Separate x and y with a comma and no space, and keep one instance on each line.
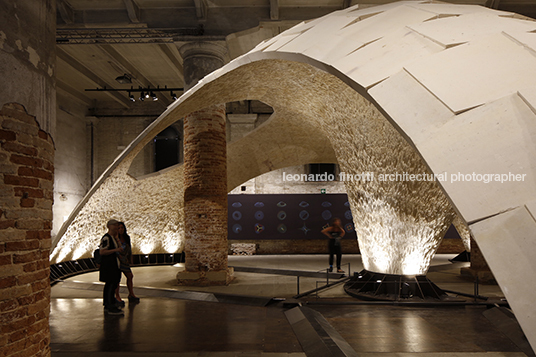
(188,324)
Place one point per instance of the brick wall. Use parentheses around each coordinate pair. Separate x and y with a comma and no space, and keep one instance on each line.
(27,171)
(111,136)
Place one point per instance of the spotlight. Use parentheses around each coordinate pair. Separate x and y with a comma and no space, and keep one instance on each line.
(142,96)
(173,95)
(131,97)
(155,98)
(146,95)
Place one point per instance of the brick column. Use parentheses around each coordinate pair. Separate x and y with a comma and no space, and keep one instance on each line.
(26,159)
(205,177)
(27,70)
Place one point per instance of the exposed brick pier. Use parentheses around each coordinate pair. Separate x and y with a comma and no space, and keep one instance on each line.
(205,178)
(26,159)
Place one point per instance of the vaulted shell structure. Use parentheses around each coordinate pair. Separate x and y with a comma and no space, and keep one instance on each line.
(408,88)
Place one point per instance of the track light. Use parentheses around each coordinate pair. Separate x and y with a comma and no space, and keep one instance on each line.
(144,92)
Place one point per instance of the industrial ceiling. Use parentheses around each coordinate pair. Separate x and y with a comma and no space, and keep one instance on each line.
(101,40)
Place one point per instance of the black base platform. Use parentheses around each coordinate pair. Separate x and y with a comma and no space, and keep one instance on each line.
(367,285)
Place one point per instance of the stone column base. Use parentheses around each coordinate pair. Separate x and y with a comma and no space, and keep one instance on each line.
(205,278)
(484,276)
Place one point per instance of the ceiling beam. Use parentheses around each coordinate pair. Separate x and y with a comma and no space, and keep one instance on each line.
(172,60)
(133,11)
(233,19)
(494,4)
(66,11)
(274,9)
(83,70)
(147,109)
(128,68)
(201,9)
(74,93)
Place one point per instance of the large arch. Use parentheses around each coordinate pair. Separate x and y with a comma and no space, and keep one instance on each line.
(412,86)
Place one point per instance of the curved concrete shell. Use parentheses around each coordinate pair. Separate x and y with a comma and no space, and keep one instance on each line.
(407,88)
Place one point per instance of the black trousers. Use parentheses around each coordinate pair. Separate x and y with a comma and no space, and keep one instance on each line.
(108,293)
(334,249)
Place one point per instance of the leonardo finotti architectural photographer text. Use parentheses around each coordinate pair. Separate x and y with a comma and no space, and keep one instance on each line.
(401,177)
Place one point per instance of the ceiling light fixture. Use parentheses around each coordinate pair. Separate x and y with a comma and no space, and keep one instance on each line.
(145,93)
(124,79)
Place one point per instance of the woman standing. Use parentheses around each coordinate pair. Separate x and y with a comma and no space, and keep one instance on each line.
(125,259)
(335,232)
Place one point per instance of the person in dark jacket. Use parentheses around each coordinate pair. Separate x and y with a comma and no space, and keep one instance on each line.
(109,271)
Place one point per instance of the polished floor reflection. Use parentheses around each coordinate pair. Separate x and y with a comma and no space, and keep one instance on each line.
(163,326)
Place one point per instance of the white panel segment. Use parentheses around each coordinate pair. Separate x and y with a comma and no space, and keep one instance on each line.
(445,9)
(475,73)
(320,40)
(414,109)
(450,31)
(529,96)
(375,62)
(527,39)
(508,242)
(375,27)
(495,139)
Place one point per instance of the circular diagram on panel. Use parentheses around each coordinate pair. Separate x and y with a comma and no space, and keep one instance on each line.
(281,204)
(237,215)
(259,215)
(349,227)
(258,228)
(326,204)
(258,204)
(348,215)
(282,228)
(304,229)
(281,215)
(237,228)
(347,204)
(326,215)
(304,204)
(236,204)
(304,215)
